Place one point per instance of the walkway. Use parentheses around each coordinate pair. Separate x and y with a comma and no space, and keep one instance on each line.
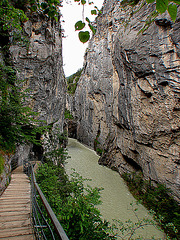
(15,209)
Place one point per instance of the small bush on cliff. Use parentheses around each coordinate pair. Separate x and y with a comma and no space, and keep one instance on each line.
(67,114)
(72,81)
(159,200)
(1,163)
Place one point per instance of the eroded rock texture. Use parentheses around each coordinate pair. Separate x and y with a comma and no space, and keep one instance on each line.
(127,101)
(39,63)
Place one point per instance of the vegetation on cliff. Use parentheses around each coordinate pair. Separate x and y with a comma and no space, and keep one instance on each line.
(1,163)
(161,6)
(16,121)
(72,81)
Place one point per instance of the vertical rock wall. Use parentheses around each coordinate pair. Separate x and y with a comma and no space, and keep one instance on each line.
(127,101)
(39,63)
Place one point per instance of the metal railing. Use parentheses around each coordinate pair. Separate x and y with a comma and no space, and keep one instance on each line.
(45,223)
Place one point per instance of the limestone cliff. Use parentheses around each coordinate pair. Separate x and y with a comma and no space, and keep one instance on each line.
(127,101)
(39,63)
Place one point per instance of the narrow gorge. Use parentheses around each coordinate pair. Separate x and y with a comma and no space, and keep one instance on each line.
(125,102)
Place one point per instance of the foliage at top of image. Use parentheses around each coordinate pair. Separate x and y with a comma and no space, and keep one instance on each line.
(72,81)
(84,36)
(11,18)
(161,7)
(46,7)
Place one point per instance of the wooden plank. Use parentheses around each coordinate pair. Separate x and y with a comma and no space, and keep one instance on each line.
(15,198)
(24,237)
(14,218)
(20,204)
(14,213)
(20,231)
(15,224)
(15,201)
(15,209)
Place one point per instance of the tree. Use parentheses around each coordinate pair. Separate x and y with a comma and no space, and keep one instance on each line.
(17,124)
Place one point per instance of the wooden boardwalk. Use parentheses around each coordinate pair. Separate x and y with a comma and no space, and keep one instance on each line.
(15,209)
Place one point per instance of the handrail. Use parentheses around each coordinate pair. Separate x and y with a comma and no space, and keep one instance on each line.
(40,223)
(59,230)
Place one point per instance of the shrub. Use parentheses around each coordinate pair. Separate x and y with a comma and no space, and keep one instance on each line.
(67,114)
(1,164)
(72,81)
(73,204)
(157,199)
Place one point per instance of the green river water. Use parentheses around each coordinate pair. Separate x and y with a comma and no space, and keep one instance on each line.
(116,198)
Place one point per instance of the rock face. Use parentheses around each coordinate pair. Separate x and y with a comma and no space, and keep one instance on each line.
(127,101)
(40,64)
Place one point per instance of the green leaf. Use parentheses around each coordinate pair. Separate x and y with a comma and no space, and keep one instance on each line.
(44,5)
(33,8)
(56,19)
(176,1)
(161,5)
(87,19)
(93,12)
(52,13)
(172,9)
(150,1)
(84,36)
(93,29)
(83,2)
(79,25)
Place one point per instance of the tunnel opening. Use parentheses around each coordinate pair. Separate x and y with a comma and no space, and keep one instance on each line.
(37,148)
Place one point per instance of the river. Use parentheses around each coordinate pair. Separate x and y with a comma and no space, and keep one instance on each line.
(116,198)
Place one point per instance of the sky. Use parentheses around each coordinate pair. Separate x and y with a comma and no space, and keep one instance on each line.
(73,49)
